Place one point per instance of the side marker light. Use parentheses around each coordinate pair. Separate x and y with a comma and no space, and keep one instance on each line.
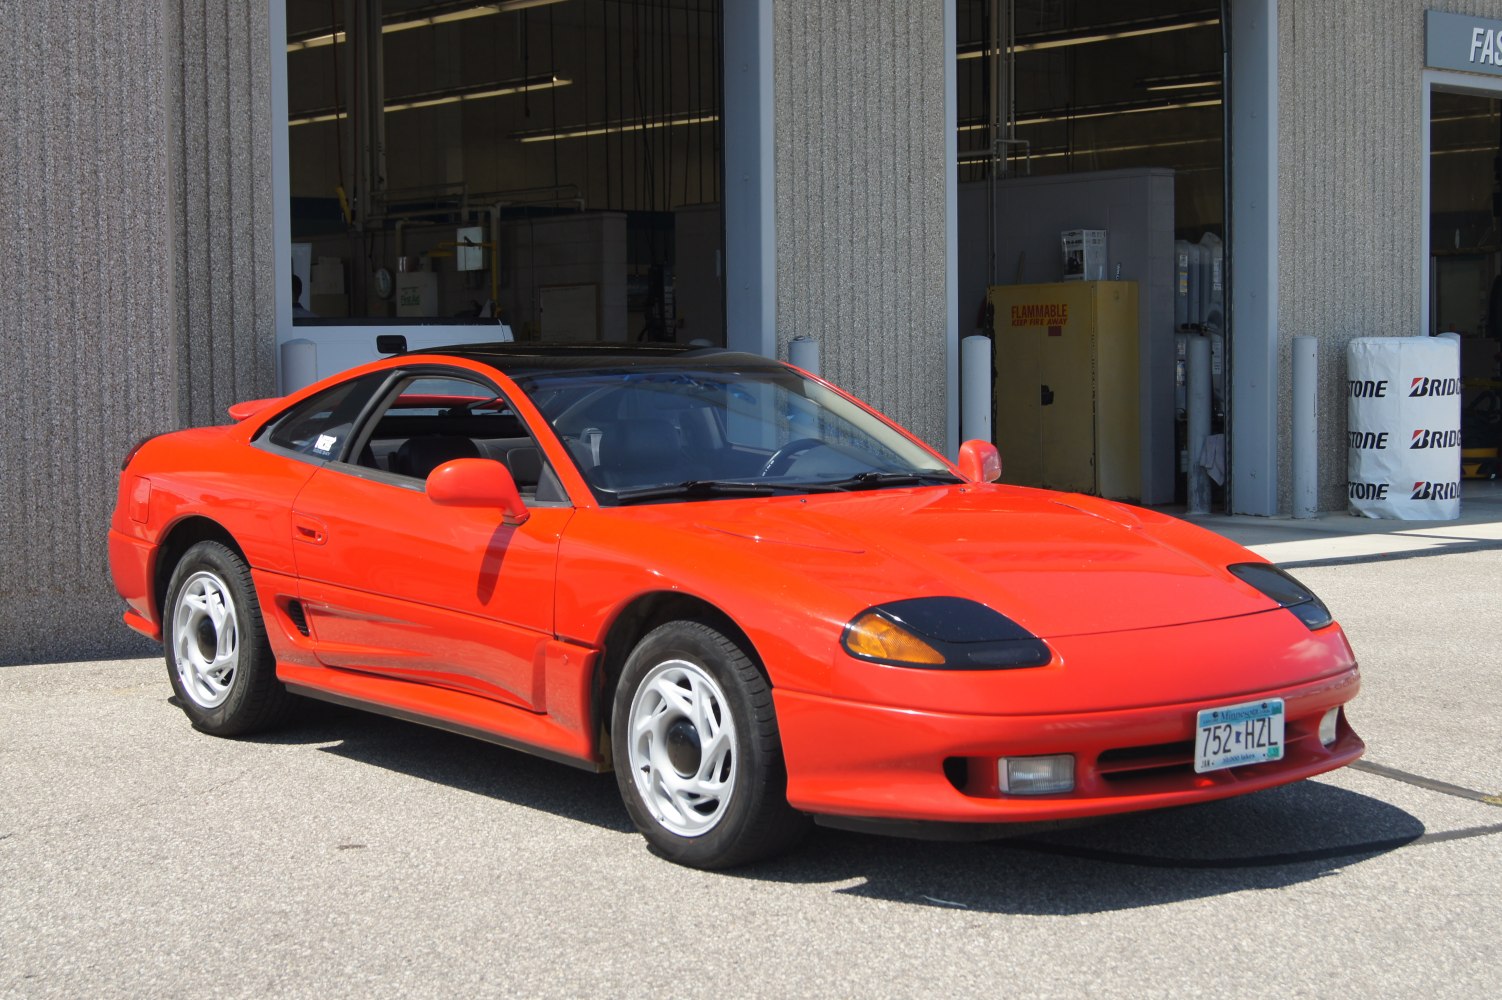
(1327,724)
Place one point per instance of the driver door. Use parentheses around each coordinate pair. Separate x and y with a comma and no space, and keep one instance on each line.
(396,585)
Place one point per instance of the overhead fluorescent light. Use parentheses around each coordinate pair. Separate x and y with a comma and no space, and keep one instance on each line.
(316,117)
(612,128)
(462,14)
(1199,81)
(437,98)
(1074,116)
(399,22)
(1084,114)
(1464,149)
(1045,40)
(316,42)
(479,92)
(1463,117)
(975,159)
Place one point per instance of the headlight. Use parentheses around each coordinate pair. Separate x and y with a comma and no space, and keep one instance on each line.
(1287,591)
(942,633)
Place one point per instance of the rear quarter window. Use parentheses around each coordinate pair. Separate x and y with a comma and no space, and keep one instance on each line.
(321,425)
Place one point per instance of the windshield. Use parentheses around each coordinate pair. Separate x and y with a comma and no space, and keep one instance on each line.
(677,433)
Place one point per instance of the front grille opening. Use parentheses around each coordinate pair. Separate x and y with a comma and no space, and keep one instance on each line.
(957,770)
(1126,763)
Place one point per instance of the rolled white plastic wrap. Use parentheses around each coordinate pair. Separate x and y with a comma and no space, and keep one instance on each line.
(1403,428)
(976,379)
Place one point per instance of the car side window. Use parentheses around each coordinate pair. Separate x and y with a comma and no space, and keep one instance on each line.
(430,419)
(320,426)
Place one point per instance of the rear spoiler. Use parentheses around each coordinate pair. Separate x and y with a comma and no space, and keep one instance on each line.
(251,407)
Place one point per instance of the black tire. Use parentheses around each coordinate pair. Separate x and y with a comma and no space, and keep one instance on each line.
(750,819)
(218,660)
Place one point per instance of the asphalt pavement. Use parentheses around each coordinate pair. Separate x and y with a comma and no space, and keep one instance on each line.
(355,856)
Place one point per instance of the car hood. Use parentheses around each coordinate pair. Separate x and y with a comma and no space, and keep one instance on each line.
(1058,564)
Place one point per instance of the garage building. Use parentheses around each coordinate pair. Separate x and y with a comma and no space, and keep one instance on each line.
(739,172)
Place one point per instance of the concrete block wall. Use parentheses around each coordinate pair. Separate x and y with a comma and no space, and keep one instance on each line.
(860,198)
(87,315)
(135,224)
(218,98)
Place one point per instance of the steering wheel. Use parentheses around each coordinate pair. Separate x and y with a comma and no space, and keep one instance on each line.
(782,459)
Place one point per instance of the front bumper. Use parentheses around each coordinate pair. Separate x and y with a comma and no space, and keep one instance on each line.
(854,759)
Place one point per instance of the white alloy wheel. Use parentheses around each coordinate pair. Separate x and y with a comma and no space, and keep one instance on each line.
(682,747)
(206,639)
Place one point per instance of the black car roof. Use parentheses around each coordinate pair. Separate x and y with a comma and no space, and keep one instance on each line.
(530,357)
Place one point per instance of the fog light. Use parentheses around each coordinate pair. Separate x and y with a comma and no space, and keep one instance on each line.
(1327,726)
(1037,775)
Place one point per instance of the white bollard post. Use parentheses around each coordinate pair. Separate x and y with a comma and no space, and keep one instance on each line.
(1305,427)
(803,352)
(976,378)
(1198,377)
(299,364)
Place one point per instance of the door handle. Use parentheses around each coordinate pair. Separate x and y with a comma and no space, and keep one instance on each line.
(1046,395)
(309,529)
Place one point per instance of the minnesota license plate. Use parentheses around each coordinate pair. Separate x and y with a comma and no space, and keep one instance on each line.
(1234,735)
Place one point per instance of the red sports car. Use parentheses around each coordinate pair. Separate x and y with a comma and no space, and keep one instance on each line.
(753,597)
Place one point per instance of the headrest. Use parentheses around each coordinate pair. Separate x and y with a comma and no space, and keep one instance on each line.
(418,456)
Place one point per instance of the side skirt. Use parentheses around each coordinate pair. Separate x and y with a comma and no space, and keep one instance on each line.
(451,711)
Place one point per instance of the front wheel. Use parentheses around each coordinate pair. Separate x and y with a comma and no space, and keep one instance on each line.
(698,759)
(218,659)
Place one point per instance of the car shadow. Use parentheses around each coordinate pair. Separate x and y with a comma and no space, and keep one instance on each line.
(460,762)
(1267,840)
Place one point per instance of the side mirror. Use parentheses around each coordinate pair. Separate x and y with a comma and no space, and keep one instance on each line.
(478,482)
(980,462)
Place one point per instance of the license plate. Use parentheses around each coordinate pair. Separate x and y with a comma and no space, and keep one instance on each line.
(1234,735)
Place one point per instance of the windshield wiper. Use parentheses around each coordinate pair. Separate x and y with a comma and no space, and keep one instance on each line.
(876,480)
(695,489)
(708,489)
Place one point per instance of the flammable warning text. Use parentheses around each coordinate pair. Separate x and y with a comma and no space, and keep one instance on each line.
(1040,314)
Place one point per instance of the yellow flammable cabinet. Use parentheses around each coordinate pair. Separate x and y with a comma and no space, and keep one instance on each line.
(1067,396)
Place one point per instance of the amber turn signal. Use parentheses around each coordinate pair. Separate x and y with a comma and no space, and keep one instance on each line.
(876,638)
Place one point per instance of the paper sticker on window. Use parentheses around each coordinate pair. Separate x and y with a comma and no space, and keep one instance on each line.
(325,444)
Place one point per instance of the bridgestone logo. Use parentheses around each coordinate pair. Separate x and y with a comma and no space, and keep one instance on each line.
(1436,491)
(1435,439)
(1434,387)
(1367,491)
(1366,439)
(1365,388)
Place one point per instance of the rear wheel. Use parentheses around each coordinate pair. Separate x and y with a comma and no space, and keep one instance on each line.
(697,754)
(218,659)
